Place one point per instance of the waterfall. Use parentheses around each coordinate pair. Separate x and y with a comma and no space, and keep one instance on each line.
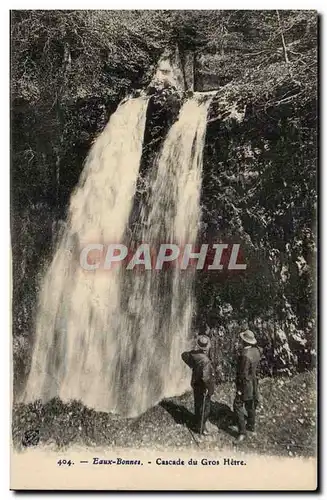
(160,305)
(113,339)
(71,351)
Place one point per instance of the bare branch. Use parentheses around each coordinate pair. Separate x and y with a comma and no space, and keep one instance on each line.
(284,44)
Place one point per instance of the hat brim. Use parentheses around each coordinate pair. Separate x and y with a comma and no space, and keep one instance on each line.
(251,342)
(203,346)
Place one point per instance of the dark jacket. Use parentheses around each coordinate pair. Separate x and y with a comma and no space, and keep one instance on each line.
(203,377)
(246,373)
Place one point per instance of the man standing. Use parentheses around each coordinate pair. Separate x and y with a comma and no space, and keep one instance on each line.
(246,398)
(202,381)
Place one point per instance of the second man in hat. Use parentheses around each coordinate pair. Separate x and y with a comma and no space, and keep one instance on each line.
(246,398)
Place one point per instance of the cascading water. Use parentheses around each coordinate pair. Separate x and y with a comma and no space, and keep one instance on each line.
(72,351)
(159,305)
(113,339)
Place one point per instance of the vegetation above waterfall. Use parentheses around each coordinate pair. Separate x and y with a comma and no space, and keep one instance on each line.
(70,69)
(64,56)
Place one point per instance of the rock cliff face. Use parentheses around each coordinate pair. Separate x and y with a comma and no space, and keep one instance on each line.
(175,69)
(252,194)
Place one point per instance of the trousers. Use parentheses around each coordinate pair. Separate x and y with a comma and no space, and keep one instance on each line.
(199,399)
(241,408)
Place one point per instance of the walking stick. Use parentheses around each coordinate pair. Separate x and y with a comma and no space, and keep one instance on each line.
(202,417)
(193,437)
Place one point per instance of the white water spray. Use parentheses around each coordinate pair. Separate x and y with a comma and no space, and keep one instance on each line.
(113,339)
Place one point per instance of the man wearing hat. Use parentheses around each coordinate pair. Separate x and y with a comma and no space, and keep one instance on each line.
(246,398)
(202,381)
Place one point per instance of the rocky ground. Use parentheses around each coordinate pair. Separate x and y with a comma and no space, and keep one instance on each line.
(286,422)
